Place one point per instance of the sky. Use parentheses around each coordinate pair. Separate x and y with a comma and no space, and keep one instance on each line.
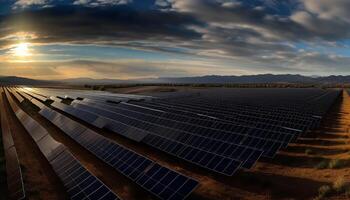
(128,39)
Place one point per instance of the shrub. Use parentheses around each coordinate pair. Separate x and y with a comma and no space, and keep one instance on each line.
(308,151)
(335,164)
(339,184)
(347,193)
(322,165)
(324,191)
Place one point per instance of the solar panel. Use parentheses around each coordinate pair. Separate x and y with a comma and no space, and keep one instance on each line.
(14,106)
(86,116)
(7,139)
(48,145)
(200,127)
(13,170)
(80,183)
(34,128)
(102,122)
(14,174)
(221,130)
(253,118)
(129,163)
(23,94)
(37,103)
(185,136)
(233,164)
(121,128)
(194,155)
(40,97)
(18,97)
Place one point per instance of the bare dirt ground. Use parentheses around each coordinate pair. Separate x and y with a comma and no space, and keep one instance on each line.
(320,158)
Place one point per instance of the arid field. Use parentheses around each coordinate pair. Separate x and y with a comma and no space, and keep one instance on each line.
(313,164)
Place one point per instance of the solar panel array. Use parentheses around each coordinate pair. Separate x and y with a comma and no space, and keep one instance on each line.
(179,143)
(225,165)
(159,180)
(79,182)
(14,178)
(221,130)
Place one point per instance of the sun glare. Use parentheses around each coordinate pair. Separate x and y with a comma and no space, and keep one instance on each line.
(21,50)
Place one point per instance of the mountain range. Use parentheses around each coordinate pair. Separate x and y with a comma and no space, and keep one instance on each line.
(211,79)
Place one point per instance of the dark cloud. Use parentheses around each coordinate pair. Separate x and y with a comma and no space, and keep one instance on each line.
(89,25)
(256,34)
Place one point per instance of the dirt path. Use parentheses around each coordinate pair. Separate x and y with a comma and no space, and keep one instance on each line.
(40,180)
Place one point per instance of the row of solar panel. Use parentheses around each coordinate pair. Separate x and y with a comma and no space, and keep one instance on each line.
(252,122)
(80,183)
(207,142)
(293,120)
(313,121)
(188,133)
(285,129)
(196,118)
(227,108)
(252,119)
(164,191)
(207,128)
(249,101)
(222,151)
(324,99)
(228,165)
(239,116)
(14,177)
(95,95)
(159,180)
(272,100)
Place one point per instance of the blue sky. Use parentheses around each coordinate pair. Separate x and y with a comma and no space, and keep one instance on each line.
(126,39)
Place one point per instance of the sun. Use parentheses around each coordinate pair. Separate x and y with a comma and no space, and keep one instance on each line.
(21,50)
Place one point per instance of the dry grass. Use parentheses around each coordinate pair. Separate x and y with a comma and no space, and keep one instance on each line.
(308,152)
(339,184)
(323,192)
(335,164)
(322,165)
(338,187)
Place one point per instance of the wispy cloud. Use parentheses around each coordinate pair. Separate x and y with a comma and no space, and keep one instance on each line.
(241,36)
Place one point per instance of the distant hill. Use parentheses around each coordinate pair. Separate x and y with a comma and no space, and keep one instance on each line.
(14,80)
(211,79)
(334,79)
(214,79)
(85,80)
(263,78)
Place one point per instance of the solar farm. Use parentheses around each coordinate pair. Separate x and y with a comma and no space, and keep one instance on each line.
(205,144)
